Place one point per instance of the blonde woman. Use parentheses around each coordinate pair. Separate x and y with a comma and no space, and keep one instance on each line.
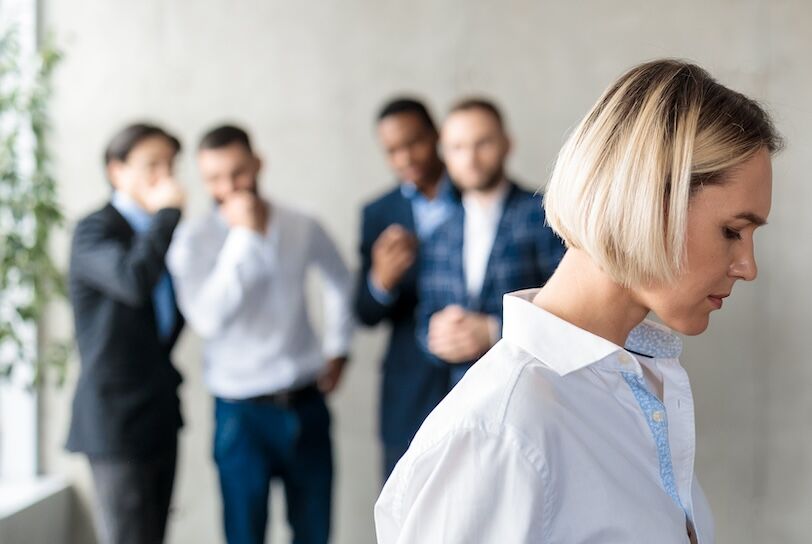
(578,427)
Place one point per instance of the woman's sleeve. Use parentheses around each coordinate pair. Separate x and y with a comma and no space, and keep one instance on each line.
(475,485)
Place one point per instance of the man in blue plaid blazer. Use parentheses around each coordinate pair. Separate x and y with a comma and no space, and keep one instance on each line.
(495,243)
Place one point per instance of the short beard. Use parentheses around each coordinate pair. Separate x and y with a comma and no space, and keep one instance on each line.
(493,180)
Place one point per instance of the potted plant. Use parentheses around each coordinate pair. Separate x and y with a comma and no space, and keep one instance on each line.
(29,214)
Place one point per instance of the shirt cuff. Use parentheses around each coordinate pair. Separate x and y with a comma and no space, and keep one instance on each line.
(337,343)
(381,295)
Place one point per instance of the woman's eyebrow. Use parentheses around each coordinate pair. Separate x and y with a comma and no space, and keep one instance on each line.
(752,217)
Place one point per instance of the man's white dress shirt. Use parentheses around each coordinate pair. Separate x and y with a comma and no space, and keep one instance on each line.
(244,293)
(480,226)
(554,437)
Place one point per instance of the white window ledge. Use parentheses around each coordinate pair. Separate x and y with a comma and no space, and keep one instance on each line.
(34,511)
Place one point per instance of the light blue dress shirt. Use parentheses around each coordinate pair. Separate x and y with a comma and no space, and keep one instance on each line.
(428,215)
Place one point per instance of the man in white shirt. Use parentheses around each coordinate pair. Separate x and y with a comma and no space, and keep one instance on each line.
(240,277)
(496,242)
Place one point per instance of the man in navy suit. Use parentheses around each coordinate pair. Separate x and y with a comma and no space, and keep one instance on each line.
(495,243)
(126,412)
(394,227)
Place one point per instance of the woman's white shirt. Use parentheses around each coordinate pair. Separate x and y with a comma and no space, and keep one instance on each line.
(552,438)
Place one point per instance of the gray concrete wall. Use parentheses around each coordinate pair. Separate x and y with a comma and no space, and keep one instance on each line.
(307,77)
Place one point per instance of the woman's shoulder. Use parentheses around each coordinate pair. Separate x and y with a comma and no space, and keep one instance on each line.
(472,472)
(506,395)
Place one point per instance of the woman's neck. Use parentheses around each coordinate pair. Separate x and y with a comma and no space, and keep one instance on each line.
(582,294)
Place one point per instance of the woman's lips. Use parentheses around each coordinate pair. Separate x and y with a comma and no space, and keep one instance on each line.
(717,300)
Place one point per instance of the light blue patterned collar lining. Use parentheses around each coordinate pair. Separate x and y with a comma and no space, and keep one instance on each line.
(654,340)
(566,348)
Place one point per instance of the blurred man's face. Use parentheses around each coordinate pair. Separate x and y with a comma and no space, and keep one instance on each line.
(149,162)
(410,146)
(227,170)
(475,148)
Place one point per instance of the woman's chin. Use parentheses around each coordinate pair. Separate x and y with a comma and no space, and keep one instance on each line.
(691,326)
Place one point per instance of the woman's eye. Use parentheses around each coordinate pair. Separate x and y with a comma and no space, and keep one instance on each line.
(732,234)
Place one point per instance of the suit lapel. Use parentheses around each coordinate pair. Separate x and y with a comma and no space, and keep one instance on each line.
(118,223)
(456,267)
(402,212)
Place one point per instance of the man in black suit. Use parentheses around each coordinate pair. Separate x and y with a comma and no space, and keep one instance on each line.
(126,412)
(393,227)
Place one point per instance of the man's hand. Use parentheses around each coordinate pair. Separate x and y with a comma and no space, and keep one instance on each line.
(167,193)
(392,254)
(458,336)
(331,375)
(244,209)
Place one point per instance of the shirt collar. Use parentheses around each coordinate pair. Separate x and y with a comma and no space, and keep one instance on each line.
(566,348)
(137,217)
(493,209)
(410,191)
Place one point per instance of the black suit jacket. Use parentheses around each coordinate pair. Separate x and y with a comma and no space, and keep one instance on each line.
(126,402)
(412,384)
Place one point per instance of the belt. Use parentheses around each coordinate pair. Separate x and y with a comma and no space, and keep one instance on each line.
(284,399)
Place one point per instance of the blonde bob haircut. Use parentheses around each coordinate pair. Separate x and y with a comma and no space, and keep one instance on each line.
(623,180)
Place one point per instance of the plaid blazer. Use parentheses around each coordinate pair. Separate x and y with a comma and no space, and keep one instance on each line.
(525,253)
(411,384)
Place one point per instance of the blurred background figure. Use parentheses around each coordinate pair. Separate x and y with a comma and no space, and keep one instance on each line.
(495,243)
(392,229)
(126,412)
(240,273)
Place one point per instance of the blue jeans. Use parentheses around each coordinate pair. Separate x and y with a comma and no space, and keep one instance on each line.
(254,443)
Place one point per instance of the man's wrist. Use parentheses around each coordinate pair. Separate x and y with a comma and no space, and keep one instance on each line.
(381,294)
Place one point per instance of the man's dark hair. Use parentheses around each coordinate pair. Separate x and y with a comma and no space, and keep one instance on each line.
(130,136)
(224,136)
(407,105)
(482,104)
